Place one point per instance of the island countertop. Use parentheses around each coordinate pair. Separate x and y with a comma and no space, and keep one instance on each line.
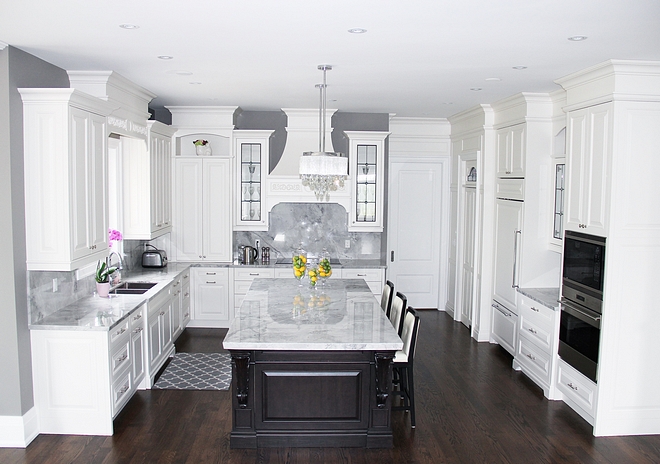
(277,314)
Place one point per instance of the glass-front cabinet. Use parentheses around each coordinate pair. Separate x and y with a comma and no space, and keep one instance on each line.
(251,152)
(366,174)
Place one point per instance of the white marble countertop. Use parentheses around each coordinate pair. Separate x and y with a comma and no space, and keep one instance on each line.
(548,297)
(95,313)
(277,314)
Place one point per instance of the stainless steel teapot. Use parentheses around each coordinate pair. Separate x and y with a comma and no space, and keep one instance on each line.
(249,254)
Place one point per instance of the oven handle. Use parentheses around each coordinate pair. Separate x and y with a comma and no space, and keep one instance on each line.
(581,314)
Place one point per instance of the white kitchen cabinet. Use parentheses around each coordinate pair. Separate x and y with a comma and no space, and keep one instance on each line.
(251,154)
(138,344)
(577,391)
(147,184)
(375,278)
(180,303)
(82,378)
(508,244)
(210,297)
(65,155)
(511,151)
(243,278)
(159,332)
(504,328)
(186,312)
(536,348)
(203,227)
(588,156)
(367,177)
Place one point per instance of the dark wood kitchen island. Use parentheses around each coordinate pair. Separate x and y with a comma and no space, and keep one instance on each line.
(311,368)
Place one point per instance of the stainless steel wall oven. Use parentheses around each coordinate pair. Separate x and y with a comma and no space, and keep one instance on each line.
(582,300)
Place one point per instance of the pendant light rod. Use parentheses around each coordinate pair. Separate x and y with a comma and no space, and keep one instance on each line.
(324,68)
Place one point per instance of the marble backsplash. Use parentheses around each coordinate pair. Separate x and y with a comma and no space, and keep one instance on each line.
(315,226)
(50,291)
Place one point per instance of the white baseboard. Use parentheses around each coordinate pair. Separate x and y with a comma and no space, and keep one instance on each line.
(19,431)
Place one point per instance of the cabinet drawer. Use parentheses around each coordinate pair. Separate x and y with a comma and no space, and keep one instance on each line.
(117,332)
(539,333)
(541,314)
(210,273)
(366,274)
(253,273)
(241,287)
(121,392)
(120,359)
(137,318)
(577,388)
(534,358)
(283,272)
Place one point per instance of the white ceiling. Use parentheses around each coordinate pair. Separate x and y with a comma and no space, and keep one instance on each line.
(418,57)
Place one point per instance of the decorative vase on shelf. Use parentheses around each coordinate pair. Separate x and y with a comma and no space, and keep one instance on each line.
(202,147)
(103,289)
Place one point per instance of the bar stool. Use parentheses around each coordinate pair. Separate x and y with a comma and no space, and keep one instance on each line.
(402,366)
(397,311)
(386,298)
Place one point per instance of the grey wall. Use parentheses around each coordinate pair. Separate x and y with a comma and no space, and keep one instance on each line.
(266,120)
(17,69)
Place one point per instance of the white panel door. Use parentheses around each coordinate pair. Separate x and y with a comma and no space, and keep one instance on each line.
(188,230)
(508,236)
(468,255)
(415,230)
(217,235)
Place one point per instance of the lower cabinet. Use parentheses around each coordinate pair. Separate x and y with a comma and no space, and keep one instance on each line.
(83,378)
(159,333)
(536,348)
(210,297)
(243,278)
(577,391)
(504,329)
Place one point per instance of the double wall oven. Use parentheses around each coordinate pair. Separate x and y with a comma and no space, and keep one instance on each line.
(582,301)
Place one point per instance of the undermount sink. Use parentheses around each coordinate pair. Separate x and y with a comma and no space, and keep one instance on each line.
(133,288)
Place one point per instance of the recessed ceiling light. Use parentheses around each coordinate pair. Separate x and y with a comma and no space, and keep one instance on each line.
(520,67)
(165,57)
(129,26)
(476,89)
(493,79)
(448,103)
(179,72)
(195,83)
(357,30)
(577,38)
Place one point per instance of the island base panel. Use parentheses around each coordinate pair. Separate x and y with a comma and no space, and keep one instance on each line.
(311,399)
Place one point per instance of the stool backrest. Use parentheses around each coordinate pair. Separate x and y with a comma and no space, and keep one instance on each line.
(409,333)
(386,297)
(399,304)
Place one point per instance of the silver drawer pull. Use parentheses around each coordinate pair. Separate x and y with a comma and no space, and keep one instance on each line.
(210,281)
(162,313)
(119,332)
(138,330)
(254,273)
(573,387)
(123,390)
(532,330)
(185,276)
(121,359)
(186,294)
(186,315)
(533,358)
(210,273)
(534,309)
(137,317)
(362,275)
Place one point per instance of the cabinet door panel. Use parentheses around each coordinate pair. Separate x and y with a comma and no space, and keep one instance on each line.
(78,184)
(97,187)
(212,302)
(188,232)
(508,242)
(216,202)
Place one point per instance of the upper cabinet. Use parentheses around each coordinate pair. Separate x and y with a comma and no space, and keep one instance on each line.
(66,209)
(589,149)
(147,184)
(251,152)
(366,176)
(511,151)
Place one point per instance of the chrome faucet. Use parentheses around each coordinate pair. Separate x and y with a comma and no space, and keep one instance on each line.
(121,261)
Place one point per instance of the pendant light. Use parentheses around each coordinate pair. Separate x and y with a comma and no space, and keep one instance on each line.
(323,171)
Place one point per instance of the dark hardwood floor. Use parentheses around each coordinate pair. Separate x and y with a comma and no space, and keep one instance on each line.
(471,407)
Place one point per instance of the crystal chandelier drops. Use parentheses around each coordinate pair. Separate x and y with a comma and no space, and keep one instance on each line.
(323,172)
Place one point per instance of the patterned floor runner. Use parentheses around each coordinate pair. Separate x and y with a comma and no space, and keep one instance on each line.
(196,371)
